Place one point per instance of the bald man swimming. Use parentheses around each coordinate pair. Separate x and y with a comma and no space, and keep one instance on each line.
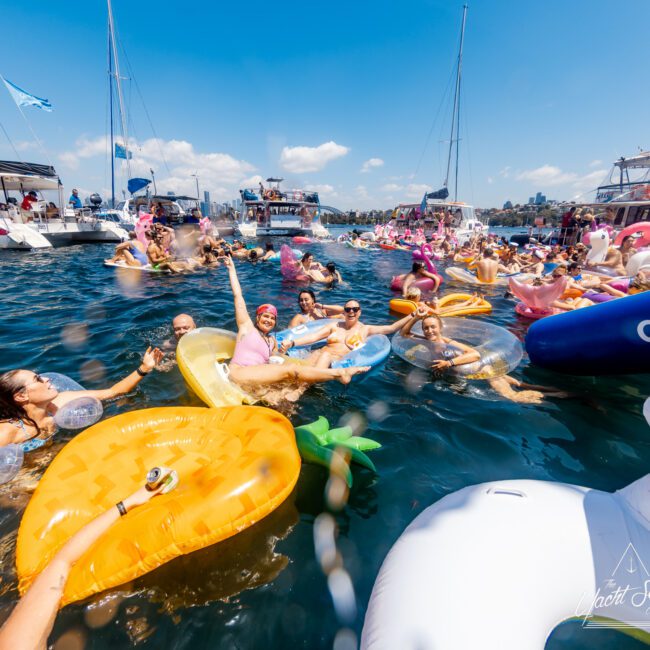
(182,324)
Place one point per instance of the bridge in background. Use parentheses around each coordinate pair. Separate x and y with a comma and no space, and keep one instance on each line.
(329,208)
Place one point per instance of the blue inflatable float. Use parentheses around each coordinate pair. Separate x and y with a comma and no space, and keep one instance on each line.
(612,338)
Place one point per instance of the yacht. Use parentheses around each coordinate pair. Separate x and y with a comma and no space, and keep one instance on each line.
(274,211)
(625,193)
(48,223)
(465,222)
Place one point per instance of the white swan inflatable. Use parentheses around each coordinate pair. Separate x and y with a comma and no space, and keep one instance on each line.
(500,565)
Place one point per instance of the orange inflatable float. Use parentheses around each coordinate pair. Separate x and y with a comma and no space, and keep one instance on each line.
(448,305)
(235,465)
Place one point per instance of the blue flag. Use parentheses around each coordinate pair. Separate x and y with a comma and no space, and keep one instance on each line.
(423,205)
(121,152)
(23,98)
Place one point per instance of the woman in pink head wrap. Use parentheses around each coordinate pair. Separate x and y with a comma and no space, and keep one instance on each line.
(251,363)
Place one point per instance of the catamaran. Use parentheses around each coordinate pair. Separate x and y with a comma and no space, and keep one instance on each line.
(46,223)
(461,216)
(273,211)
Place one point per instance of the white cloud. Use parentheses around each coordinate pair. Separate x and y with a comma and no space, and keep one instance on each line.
(371,163)
(547,175)
(595,163)
(505,172)
(361,191)
(416,190)
(252,181)
(490,180)
(322,188)
(219,173)
(590,181)
(391,187)
(301,160)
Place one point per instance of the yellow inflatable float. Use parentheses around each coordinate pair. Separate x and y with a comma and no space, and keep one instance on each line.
(201,356)
(235,466)
(448,305)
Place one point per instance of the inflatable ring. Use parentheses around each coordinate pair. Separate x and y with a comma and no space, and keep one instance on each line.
(445,305)
(642,227)
(515,538)
(288,266)
(535,313)
(424,284)
(289,335)
(235,466)
(200,355)
(500,350)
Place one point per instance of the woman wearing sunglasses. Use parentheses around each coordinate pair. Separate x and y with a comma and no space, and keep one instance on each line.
(311,310)
(344,336)
(28,402)
(251,365)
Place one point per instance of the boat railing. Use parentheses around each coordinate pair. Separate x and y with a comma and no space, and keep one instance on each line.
(272,194)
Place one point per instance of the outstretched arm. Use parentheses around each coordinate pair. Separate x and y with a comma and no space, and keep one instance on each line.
(318,335)
(151,358)
(389,329)
(32,620)
(241,313)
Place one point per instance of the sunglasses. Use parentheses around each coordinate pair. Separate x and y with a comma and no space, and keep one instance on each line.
(37,380)
(351,310)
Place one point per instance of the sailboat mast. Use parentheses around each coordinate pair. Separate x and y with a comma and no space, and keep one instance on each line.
(110,104)
(118,83)
(455,119)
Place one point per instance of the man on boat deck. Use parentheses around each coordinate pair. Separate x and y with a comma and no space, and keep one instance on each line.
(28,199)
(74,200)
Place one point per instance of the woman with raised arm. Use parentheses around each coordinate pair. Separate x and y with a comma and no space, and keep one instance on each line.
(250,364)
(31,622)
(28,402)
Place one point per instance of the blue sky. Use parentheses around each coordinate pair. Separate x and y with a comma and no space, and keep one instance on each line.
(553,92)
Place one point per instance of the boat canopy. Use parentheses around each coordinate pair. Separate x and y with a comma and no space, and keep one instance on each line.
(641,160)
(27,169)
(24,177)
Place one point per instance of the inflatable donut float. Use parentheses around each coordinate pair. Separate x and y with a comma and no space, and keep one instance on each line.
(498,566)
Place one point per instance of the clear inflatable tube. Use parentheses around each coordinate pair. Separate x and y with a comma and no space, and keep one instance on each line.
(501,352)
(78,413)
(11,460)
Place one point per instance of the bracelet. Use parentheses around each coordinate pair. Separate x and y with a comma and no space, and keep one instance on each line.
(451,363)
(141,373)
(121,508)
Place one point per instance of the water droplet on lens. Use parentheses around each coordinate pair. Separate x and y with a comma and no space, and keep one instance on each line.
(345,639)
(74,335)
(415,380)
(378,411)
(92,370)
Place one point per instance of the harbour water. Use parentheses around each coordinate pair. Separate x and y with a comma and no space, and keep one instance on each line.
(63,311)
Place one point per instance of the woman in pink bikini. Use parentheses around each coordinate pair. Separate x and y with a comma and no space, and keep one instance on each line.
(251,363)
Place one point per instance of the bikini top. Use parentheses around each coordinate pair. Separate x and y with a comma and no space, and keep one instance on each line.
(33,443)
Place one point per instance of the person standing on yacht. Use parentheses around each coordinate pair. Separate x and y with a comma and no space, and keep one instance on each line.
(74,201)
